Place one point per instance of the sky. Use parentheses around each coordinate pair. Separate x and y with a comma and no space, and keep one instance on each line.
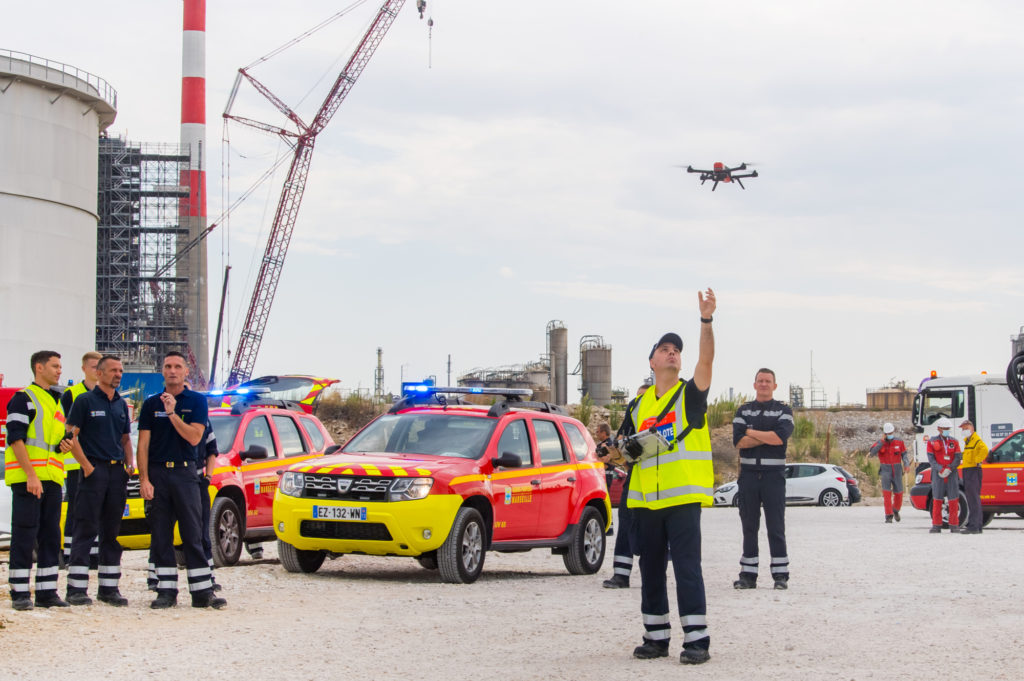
(520,165)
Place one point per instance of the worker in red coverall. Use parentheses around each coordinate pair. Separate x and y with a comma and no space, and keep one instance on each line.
(892,457)
(944,457)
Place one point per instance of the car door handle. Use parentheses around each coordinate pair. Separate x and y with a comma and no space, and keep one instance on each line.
(535,482)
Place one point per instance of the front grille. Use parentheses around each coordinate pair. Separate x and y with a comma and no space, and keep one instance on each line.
(135,526)
(363,488)
(329,529)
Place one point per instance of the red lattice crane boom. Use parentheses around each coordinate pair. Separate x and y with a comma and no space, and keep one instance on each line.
(302,143)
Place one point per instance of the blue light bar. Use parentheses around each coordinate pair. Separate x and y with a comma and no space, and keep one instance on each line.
(428,388)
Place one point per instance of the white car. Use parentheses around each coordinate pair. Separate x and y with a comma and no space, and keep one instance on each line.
(806,483)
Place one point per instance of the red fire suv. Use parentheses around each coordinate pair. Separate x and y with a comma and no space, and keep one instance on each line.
(444,482)
(1002,485)
(257,438)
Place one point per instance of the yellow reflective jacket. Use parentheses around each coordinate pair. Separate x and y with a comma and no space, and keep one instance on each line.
(45,431)
(70,462)
(975,452)
(684,473)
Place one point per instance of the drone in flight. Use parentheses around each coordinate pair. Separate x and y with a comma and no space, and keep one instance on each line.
(722,173)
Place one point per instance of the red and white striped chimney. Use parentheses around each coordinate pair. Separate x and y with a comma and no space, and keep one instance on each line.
(193,101)
(193,133)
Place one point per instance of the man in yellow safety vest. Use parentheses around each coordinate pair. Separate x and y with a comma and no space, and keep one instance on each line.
(672,479)
(34,470)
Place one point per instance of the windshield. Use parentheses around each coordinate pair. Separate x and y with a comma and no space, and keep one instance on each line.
(938,403)
(425,433)
(224,429)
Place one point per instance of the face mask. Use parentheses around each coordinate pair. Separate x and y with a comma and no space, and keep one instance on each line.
(889,437)
(966,434)
(944,433)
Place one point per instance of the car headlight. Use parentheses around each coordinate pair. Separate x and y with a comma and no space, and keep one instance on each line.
(918,478)
(407,489)
(727,488)
(292,484)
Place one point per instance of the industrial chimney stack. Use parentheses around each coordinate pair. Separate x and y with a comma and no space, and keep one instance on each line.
(193,134)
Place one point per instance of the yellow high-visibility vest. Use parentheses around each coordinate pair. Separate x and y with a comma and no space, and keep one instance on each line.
(45,431)
(70,462)
(684,473)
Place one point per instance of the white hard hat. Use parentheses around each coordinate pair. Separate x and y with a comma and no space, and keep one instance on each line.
(888,428)
(944,423)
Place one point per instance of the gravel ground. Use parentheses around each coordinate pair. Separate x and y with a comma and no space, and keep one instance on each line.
(867,600)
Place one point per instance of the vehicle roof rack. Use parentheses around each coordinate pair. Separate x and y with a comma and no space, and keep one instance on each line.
(504,406)
(429,394)
(245,405)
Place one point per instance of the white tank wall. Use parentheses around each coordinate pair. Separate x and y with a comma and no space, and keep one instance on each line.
(49,125)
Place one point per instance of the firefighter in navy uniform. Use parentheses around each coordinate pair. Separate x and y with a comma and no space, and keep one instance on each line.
(672,478)
(760,430)
(72,469)
(101,426)
(34,470)
(171,426)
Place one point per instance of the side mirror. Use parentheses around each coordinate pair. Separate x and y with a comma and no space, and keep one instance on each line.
(332,449)
(255,452)
(507,460)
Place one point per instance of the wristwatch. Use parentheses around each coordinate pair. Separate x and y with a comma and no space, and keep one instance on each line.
(706,320)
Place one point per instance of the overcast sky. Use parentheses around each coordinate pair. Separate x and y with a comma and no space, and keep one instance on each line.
(528,175)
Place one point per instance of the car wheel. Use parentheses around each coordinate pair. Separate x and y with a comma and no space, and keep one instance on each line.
(586,552)
(297,560)
(461,558)
(986,518)
(225,532)
(830,497)
(735,500)
(428,561)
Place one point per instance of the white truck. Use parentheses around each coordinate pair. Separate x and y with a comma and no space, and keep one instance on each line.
(985,400)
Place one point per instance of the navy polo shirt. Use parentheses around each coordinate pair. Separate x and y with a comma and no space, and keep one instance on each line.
(165,443)
(101,423)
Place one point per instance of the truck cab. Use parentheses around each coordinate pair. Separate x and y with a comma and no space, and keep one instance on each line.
(984,399)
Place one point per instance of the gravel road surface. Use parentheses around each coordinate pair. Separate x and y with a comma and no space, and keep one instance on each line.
(866,601)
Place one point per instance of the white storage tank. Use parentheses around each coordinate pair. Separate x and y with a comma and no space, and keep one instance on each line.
(51,115)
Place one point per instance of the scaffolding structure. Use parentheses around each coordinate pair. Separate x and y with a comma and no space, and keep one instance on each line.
(140,309)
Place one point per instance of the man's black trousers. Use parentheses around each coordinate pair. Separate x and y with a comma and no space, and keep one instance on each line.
(675,529)
(176,498)
(99,507)
(763,489)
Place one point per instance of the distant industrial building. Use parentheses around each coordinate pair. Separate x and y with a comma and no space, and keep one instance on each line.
(51,117)
(892,397)
(548,376)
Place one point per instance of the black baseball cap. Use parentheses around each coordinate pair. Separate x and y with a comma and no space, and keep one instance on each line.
(669,337)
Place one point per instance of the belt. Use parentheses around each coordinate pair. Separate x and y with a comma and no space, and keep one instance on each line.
(174,464)
(112,462)
(758,461)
